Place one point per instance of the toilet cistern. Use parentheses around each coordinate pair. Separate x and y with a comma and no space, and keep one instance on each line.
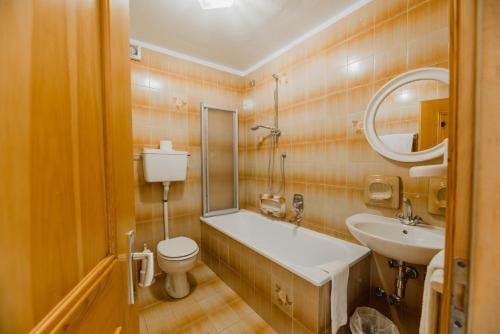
(164,165)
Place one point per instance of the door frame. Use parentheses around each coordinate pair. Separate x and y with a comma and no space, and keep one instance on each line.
(461,148)
(473,183)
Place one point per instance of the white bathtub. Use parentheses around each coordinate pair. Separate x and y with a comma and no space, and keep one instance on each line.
(298,249)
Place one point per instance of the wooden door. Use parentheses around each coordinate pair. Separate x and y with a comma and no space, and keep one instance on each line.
(433,123)
(484,296)
(66,172)
(472,267)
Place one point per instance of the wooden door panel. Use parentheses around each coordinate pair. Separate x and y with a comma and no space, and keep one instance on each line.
(119,156)
(100,316)
(485,260)
(66,146)
(15,59)
(91,306)
(89,117)
(53,229)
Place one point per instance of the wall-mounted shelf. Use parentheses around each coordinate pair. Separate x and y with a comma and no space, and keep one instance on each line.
(439,170)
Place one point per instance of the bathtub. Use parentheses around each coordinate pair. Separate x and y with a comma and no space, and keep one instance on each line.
(297,249)
(273,266)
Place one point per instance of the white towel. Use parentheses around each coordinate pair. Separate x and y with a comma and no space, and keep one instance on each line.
(430,307)
(339,272)
(399,142)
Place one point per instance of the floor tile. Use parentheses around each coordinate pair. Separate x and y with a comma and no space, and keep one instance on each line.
(240,307)
(159,319)
(205,290)
(238,328)
(143,328)
(223,317)
(202,274)
(202,326)
(186,312)
(257,324)
(212,307)
(152,294)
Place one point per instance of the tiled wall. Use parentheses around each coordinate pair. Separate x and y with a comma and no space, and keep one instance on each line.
(326,84)
(167,93)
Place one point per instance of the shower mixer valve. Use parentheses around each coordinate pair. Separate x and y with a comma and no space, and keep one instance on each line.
(298,207)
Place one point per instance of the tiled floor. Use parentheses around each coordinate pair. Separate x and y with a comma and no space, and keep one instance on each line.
(211,307)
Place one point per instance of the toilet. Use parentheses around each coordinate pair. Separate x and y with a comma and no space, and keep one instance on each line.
(176,257)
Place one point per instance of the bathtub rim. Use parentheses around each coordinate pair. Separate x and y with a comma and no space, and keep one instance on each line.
(313,275)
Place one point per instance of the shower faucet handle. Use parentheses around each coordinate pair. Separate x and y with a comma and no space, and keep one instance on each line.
(298,203)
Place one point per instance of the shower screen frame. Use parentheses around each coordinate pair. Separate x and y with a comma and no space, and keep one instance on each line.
(205,164)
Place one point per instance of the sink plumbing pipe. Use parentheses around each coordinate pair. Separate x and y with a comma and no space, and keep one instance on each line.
(404,273)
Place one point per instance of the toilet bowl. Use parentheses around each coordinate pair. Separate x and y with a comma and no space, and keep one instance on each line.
(176,257)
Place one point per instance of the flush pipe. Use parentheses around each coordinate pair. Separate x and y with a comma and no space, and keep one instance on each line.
(166,188)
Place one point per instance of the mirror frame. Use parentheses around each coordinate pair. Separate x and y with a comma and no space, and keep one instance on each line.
(425,73)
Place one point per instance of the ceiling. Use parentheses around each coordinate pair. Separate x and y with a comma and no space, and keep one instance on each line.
(240,38)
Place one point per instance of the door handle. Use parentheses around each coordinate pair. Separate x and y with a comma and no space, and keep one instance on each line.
(130,258)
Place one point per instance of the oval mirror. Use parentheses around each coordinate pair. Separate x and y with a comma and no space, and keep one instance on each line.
(407,119)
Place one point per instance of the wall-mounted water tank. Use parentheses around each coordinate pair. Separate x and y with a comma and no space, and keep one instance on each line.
(164,165)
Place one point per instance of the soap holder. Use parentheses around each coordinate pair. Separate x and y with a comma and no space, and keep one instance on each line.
(437,196)
(273,205)
(381,190)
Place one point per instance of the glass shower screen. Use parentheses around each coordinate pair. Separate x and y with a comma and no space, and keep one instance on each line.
(219,129)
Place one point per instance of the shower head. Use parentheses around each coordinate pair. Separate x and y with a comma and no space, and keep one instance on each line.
(258,126)
(276,77)
(273,131)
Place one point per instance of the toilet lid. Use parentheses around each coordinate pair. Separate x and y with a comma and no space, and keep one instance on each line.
(177,247)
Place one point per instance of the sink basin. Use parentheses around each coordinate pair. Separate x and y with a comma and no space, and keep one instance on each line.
(388,237)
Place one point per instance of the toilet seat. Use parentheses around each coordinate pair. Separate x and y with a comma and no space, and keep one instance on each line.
(177,249)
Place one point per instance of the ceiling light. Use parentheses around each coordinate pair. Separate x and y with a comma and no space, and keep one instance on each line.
(213,4)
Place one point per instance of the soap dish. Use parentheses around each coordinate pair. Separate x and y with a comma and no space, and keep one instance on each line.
(274,205)
(380,190)
(437,197)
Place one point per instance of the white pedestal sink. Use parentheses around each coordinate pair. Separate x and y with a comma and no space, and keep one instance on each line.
(388,237)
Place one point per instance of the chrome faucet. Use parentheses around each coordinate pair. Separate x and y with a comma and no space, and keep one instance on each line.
(406,217)
(298,207)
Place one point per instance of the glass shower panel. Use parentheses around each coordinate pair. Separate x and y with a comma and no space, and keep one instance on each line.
(220,160)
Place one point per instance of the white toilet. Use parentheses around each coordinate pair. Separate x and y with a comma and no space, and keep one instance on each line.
(178,255)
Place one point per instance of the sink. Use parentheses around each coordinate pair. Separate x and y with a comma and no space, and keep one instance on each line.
(390,238)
